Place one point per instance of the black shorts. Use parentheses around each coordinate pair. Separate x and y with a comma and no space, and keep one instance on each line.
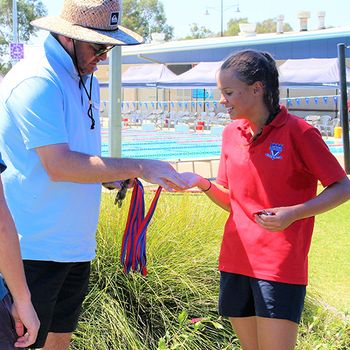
(8,335)
(243,296)
(58,291)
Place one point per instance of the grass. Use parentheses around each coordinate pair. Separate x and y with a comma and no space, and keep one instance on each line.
(329,258)
(157,312)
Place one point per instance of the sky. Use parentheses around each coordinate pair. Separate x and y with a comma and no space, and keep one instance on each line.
(181,14)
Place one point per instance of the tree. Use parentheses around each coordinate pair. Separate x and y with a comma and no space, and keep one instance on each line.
(270,25)
(146,17)
(266,26)
(233,26)
(199,32)
(27,10)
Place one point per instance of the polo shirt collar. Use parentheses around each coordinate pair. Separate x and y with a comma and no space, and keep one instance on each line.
(55,50)
(278,121)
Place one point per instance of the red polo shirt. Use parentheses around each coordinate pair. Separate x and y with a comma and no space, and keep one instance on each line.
(280,168)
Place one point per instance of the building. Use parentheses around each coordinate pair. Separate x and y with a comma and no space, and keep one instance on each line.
(180,56)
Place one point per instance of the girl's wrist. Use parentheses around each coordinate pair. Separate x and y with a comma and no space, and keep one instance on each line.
(205,185)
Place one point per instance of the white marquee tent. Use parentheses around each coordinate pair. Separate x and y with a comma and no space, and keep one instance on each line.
(311,72)
(147,75)
(203,75)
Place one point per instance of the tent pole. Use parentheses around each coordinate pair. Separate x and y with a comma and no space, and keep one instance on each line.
(343,106)
(336,104)
(114,95)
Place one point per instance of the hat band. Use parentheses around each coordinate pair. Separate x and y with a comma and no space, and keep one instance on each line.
(99,29)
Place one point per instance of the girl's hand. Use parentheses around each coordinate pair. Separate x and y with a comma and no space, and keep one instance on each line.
(275,219)
(192,179)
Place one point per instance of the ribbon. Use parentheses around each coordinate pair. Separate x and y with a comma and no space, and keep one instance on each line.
(133,252)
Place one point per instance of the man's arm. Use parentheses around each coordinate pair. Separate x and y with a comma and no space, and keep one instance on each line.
(62,164)
(11,267)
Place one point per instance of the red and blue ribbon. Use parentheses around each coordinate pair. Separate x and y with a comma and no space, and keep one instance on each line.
(133,252)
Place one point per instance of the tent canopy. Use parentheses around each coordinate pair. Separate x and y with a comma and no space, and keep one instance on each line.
(147,75)
(311,71)
(203,75)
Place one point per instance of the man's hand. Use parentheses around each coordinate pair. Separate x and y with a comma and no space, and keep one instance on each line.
(163,174)
(25,317)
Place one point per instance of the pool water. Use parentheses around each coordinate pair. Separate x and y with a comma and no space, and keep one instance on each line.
(335,146)
(166,145)
(172,146)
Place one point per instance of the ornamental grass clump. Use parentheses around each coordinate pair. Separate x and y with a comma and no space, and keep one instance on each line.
(175,306)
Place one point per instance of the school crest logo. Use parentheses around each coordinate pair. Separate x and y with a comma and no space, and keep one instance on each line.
(114,18)
(275,151)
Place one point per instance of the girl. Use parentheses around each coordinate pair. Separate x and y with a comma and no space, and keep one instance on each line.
(270,165)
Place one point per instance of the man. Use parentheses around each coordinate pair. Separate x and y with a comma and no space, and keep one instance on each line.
(50,139)
(13,317)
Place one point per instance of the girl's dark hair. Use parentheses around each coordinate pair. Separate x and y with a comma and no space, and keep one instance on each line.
(250,66)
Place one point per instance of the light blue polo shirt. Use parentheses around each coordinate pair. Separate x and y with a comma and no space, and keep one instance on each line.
(42,103)
(3,290)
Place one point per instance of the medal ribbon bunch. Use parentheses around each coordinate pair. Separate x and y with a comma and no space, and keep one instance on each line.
(133,252)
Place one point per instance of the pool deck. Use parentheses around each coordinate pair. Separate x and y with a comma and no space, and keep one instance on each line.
(209,167)
(205,167)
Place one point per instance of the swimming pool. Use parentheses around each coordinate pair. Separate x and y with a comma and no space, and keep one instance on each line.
(166,145)
(335,146)
(172,146)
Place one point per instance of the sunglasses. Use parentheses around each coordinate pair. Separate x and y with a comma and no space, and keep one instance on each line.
(101,49)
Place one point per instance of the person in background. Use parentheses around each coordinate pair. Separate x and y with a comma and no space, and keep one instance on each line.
(20,313)
(50,138)
(271,162)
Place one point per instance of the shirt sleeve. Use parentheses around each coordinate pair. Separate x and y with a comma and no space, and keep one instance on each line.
(37,107)
(221,178)
(318,159)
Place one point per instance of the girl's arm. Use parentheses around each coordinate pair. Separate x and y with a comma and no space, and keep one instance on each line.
(329,198)
(218,194)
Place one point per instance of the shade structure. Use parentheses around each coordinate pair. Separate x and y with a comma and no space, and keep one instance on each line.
(147,75)
(311,72)
(203,75)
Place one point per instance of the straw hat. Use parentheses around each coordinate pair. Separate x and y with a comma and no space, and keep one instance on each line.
(95,21)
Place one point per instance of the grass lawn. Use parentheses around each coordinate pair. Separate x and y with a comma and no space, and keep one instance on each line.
(329,259)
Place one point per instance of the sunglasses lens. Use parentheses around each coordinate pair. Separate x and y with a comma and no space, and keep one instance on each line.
(101,49)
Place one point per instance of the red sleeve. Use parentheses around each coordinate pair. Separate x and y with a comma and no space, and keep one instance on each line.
(317,158)
(221,178)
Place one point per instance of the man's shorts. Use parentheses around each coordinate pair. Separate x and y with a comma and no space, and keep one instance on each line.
(243,296)
(8,335)
(58,291)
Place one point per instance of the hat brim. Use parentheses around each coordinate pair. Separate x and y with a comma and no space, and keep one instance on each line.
(121,36)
